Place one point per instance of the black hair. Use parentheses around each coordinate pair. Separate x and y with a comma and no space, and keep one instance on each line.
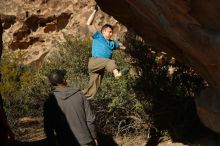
(106,26)
(57,76)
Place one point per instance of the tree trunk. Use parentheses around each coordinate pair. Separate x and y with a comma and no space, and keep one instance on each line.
(1,49)
(1,43)
(3,120)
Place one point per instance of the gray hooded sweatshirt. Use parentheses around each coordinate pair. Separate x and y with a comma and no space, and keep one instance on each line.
(77,110)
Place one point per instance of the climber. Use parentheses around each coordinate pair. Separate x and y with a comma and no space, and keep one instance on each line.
(102,48)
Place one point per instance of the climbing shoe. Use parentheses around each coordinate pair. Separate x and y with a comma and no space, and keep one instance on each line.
(124,71)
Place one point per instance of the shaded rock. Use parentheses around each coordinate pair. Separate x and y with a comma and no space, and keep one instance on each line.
(208,109)
(187,30)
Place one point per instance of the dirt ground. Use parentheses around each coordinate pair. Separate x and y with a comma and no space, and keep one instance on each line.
(30,133)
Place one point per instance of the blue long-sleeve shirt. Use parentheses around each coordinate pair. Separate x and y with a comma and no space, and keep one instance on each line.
(102,48)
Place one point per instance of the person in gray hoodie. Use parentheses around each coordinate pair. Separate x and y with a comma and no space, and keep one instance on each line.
(68,119)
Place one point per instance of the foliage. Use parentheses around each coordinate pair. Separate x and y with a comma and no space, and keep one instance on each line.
(172,96)
(71,55)
(21,87)
(146,98)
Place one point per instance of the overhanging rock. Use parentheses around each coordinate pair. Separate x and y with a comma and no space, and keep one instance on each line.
(187,30)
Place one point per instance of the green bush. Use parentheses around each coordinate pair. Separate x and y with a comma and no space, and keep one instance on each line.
(72,55)
(22,88)
(172,97)
(145,99)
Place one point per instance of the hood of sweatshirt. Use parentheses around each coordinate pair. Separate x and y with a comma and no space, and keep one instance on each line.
(97,35)
(65,93)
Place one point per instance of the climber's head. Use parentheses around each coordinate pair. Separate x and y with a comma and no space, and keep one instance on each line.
(107,31)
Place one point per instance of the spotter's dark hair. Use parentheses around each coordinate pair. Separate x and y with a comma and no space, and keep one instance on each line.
(57,76)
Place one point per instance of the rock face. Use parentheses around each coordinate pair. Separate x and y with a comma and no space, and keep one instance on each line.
(189,30)
(35,25)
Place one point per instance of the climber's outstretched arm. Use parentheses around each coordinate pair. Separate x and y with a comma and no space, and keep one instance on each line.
(92,16)
(91,19)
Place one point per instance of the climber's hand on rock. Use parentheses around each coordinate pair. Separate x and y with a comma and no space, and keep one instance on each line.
(121,46)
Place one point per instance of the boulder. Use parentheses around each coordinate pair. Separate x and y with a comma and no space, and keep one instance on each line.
(188,30)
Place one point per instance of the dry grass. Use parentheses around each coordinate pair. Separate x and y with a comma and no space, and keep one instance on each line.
(30,129)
